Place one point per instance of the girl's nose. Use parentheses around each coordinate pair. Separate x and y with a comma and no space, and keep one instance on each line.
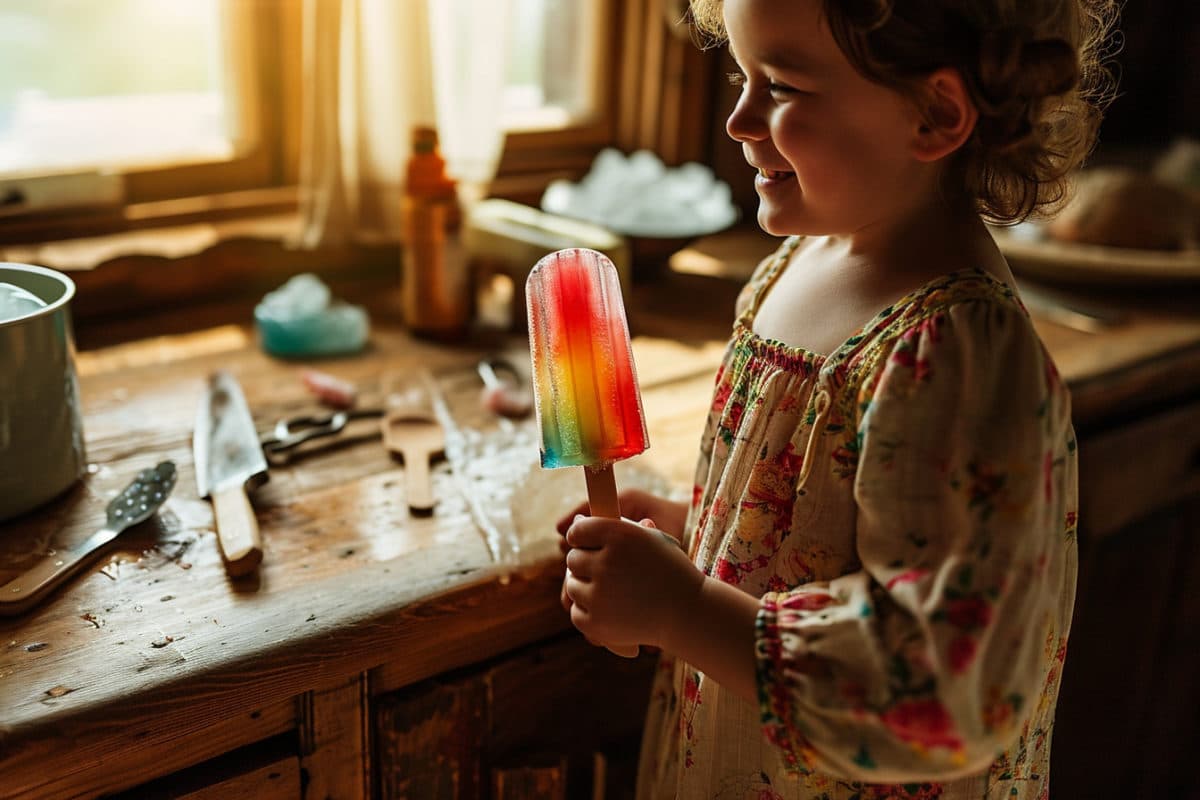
(746,122)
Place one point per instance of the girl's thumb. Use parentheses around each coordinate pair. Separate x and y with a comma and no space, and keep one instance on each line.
(648,523)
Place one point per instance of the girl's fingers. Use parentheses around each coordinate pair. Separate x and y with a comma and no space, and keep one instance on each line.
(563,597)
(580,563)
(582,621)
(564,523)
(579,592)
(580,616)
(585,532)
(649,523)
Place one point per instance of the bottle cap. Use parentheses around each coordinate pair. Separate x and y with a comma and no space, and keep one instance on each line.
(426,173)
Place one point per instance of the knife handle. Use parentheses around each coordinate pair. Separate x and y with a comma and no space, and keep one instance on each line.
(237,530)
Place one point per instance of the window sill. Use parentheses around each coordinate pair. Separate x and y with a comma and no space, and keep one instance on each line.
(170,242)
(178,278)
(19,227)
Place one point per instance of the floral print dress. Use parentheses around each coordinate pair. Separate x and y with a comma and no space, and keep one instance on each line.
(906,510)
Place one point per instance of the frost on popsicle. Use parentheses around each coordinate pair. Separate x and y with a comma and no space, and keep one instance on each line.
(586,394)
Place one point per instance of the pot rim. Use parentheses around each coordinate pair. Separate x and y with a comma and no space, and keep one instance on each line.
(50,308)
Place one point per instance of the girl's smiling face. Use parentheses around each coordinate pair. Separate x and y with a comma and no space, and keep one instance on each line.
(832,149)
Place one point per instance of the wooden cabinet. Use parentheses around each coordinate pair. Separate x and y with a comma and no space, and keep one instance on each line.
(238,776)
(560,719)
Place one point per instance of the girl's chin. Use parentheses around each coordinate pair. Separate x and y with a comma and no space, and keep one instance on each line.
(792,219)
(772,221)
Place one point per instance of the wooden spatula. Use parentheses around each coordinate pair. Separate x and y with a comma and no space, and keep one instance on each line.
(418,438)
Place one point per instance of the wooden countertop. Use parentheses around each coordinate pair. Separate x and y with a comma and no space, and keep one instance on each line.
(154,642)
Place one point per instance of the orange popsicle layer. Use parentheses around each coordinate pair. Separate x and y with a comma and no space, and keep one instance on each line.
(588,404)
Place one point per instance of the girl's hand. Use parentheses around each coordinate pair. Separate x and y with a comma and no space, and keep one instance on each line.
(669,516)
(627,583)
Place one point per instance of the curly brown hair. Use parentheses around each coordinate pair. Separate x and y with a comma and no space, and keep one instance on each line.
(1037,70)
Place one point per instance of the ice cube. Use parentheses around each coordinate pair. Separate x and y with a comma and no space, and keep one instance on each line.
(301,296)
(16,302)
(716,209)
(607,168)
(697,177)
(560,197)
(640,196)
(301,318)
(645,167)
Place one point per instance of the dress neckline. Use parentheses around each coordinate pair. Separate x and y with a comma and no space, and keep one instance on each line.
(797,356)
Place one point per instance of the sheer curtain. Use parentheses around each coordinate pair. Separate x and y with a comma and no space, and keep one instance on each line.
(372,70)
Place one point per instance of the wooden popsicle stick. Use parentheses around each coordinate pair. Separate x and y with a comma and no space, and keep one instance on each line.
(603,502)
(237,530)
(602,492)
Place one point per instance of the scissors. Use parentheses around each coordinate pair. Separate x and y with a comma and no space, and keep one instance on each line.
(507,397)
(294,431)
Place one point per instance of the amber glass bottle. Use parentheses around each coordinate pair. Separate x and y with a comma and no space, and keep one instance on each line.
(436,294)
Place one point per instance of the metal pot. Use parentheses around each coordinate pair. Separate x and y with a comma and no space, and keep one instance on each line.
(41,428)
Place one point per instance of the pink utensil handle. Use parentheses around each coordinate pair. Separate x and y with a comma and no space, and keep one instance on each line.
(603,502)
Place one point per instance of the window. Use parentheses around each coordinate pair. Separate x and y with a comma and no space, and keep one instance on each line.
(565,79)
(134,100)
(553,64)
(143,84)
(115,104)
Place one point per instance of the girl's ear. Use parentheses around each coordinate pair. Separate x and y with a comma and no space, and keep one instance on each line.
(948,115)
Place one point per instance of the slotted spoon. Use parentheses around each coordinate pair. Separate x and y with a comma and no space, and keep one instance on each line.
(136,503)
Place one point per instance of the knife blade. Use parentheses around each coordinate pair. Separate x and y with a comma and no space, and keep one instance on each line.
(229,462)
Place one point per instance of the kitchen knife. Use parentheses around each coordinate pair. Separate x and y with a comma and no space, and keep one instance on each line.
(229,461)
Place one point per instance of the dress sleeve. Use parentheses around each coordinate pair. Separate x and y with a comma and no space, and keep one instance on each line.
(924,663)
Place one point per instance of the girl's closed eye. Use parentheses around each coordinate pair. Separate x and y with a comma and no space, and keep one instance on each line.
(783,90)
(775,88)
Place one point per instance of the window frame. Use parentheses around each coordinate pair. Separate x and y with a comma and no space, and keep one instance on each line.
(274,61)
(654,89)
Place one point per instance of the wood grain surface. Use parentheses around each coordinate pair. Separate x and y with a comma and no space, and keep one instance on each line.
(154,643)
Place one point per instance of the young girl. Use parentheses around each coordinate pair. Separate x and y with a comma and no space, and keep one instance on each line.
(877,571)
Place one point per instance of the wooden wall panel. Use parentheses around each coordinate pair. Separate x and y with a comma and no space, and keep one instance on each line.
(429,739)
(335,741)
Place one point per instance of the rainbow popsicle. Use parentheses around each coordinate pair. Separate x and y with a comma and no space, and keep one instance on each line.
(585,386)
